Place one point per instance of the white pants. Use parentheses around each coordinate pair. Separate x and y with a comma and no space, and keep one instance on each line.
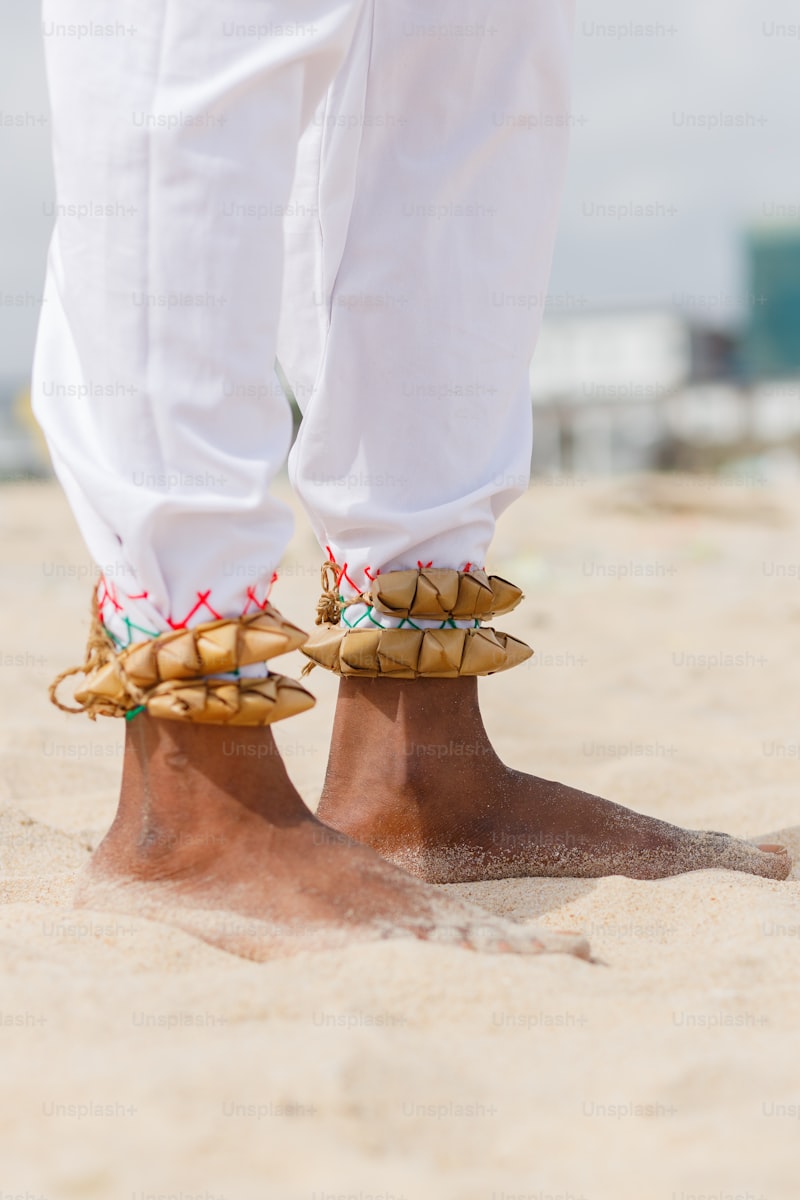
(367,189)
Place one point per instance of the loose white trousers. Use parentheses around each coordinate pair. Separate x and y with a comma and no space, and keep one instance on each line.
(366,189)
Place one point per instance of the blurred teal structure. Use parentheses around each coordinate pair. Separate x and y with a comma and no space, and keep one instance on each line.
(772,338)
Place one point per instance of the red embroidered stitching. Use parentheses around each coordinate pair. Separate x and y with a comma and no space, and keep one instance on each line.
(253,599)
(109,594)
(202,602)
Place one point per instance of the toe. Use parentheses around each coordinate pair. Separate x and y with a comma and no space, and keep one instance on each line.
(547,942)
(774,861)
(733,854)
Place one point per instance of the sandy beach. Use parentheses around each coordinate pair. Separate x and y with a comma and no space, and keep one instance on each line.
(141,1062)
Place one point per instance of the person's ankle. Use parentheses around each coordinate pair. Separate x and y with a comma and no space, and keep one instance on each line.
(405,743)
(185,794)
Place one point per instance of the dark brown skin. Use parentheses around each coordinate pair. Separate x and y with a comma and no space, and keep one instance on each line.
(212,837)
(412,773)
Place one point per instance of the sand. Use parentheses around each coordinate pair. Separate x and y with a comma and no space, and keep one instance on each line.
(141,1062)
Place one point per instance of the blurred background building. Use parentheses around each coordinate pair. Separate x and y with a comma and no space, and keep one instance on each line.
(658,389)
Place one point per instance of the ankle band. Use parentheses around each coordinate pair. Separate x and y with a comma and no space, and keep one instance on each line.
(172,675)
(408,651)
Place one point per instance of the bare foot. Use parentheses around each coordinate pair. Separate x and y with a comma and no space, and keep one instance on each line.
(412,773)
(199,842)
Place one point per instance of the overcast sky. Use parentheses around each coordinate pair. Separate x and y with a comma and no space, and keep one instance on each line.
(651,80)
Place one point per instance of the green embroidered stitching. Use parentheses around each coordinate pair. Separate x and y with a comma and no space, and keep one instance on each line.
(130,626)
(406,622)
